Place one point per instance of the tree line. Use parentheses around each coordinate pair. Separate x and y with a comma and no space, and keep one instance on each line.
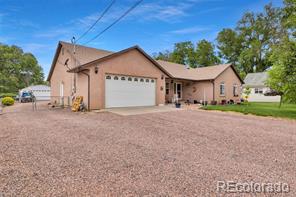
(18,69)
(263,41)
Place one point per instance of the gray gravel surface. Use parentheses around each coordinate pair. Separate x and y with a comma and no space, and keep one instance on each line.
(183,153)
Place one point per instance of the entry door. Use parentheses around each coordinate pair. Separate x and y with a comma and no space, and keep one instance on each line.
(128,91)
(178,90)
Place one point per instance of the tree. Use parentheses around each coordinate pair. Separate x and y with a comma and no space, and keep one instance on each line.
(282,76)
(183,53)
(166,56)
(205,54)
(289,16)
(259,32)
(250,44)
(230,46)
(247,92)
(18,69)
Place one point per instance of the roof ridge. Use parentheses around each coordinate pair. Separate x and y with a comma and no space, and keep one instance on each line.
(83,46)
(228,64)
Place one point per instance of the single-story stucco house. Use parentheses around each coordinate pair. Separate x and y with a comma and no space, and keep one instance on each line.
(257,84)
(131,77)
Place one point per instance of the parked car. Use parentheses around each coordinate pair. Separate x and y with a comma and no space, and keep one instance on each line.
(26,97)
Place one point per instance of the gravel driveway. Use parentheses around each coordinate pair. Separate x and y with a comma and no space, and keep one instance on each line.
(182,153)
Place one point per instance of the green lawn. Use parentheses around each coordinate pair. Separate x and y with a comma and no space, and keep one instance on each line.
(260,109)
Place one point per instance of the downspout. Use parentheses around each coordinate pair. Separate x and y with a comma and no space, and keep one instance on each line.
(88,89)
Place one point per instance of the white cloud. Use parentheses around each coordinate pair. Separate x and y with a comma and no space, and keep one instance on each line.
(190,30)
(169,11)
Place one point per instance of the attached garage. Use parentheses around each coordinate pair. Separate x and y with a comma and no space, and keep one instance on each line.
(129,91)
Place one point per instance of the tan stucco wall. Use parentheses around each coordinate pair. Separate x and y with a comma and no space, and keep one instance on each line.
(60,75)
(230,79)
(82,86)
(191,90)
(131,63)
(198,91)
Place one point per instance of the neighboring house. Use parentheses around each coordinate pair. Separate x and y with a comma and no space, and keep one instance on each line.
(41,92)
(257,84)
(132,78)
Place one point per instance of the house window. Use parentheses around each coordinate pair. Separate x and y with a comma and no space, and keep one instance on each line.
(108,77)
(135,79)
(258,91)
(115,78)
(222,89)
(142,80)
(147,80)
(123,78)
(235,90)
(167,88)
(152,81)
(129,79)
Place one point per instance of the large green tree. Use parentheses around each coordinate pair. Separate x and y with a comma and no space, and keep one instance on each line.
(18,69)
(229,45)
(205,54)
(250,44)
(282,76)
(183,53)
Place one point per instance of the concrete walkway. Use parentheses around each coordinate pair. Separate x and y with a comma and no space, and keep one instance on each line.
(127,111)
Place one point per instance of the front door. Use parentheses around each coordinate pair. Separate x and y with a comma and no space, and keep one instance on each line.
(178,90)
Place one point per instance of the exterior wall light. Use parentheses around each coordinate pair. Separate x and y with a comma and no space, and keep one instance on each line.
(96,69)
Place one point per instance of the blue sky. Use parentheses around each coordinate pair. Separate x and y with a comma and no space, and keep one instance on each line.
(38,25)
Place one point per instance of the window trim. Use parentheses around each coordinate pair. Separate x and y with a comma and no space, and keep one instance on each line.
(235,90)
(167,88)
(258,90)
(220,92)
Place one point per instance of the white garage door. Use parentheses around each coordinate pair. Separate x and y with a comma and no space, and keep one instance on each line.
(125,91)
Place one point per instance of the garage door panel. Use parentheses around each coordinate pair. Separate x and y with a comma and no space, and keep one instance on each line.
(124,93)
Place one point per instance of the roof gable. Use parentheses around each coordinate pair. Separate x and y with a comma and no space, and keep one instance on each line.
(256,79)
(78,68)
(82,54)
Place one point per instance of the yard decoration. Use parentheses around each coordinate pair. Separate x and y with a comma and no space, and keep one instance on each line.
(77,103)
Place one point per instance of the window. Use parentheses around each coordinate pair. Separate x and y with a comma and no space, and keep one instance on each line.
(152,81)
(258,91)
(115,78)
(108,77)
(123,78)
(167,88)
(142,80)
(129,79)
(222,89)
(135,79)
(147,80)
(235,90)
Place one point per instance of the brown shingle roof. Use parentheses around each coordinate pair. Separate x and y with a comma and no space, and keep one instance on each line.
(83,54)
(180,71)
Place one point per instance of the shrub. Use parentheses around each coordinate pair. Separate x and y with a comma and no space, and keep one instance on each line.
(12,95)
(7,101)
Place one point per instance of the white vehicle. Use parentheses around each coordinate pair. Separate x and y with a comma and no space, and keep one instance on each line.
(41,92)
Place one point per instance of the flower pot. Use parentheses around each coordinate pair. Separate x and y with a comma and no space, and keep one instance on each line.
(178,105)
